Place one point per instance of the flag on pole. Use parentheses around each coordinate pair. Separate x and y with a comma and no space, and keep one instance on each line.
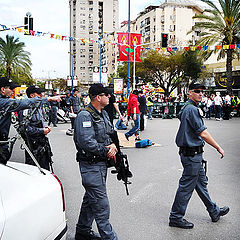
(123,43)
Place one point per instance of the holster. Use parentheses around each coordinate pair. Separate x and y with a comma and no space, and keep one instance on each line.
(191,151)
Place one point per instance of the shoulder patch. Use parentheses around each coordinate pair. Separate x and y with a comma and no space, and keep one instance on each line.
(87,124)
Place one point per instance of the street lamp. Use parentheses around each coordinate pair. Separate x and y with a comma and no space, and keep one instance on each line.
(72,53)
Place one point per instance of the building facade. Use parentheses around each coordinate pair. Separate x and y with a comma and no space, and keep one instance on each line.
(174,18)
(95,20)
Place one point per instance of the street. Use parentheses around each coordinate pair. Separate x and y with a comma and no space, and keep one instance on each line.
(144,213)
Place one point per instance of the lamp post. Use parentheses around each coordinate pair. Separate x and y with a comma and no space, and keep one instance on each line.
(72,53)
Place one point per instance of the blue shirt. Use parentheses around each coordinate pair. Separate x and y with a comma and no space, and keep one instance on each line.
(91,133)
(191,126)
(15,105)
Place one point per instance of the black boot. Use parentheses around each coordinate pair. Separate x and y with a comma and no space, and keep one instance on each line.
(91,235)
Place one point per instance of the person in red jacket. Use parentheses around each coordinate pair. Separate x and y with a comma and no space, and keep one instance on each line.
(134,112)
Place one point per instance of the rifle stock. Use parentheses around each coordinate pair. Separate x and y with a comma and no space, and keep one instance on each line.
(121,165)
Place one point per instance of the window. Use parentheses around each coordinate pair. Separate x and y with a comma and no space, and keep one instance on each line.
(142,24)
(90,2)
(82,56)
(147,29)
(147,21)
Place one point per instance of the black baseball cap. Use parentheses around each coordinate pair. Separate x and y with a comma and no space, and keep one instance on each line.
(196,85)
(34,89)
(6,82)
(98,88)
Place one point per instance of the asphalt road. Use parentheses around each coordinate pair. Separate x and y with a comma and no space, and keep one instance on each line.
(143,215)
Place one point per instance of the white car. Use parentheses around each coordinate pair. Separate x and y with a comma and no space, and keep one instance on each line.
(32,204)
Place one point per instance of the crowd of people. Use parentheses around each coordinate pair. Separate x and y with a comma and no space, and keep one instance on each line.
(92,125)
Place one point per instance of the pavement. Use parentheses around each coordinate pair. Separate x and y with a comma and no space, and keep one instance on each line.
(143,215)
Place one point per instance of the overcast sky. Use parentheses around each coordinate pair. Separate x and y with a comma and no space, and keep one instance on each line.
(50,57)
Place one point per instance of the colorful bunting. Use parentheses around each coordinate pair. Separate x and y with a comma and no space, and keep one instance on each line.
(135,39)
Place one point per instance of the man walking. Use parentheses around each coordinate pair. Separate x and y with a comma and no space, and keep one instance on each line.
(190,139)
(133,110)
(94,148)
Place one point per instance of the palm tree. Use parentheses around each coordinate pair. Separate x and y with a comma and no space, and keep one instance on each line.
(221,26)
(13,57)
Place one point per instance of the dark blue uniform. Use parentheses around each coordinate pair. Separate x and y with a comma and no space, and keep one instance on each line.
(53,112)
(91,138)
(37,141)
(193,176)
(5,120)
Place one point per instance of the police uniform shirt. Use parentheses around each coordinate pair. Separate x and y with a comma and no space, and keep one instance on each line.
(75,102)
(18,104)
(191,126)
(91,135)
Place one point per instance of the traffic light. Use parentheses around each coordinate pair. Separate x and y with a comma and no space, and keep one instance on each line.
(164,40)
(28,22)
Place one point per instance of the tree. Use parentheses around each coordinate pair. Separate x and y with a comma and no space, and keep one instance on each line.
(221,26)
(13,57)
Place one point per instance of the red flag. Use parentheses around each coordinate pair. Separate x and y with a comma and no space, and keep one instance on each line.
(124,46)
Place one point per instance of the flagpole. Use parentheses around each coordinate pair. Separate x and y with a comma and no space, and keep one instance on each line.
(134,65)
(129,43)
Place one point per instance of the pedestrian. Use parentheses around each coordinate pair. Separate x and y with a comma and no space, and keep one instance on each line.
(9,105)
(54,106)
(75,106)
(112,106)
(36,133)
(94,148)
(190,139)
(209,107)
(142,108)
(227,107)
(133,110)
(218,106)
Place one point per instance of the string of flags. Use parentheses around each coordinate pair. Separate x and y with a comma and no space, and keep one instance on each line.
(89,40)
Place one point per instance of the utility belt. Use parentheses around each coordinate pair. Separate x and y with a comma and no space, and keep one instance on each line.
(90,159)
(191,151)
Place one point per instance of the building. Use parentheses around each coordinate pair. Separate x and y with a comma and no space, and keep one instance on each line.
(95,21)
(174,18)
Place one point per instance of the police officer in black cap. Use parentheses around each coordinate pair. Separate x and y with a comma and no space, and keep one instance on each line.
(190,139)
(36,132)
(94,148)
(9,105)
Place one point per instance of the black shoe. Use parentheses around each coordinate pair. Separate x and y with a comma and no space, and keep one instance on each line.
(223,211)
(54,125)
(181,224)
(127,137)
(91,235)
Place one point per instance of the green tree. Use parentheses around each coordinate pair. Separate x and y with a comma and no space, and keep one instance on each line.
(13,57)
(221,26)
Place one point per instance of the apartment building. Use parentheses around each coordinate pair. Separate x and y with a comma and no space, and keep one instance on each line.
(172,17)
(95,20)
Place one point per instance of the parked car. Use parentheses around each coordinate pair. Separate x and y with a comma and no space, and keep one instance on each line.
(32,204)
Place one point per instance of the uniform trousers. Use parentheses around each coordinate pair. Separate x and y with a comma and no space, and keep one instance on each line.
(95,205)
(193,177)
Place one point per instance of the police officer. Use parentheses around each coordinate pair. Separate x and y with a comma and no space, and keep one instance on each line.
(190,139)
(36,133)
(54,106)
(75,105)
(94,148)
(9,105)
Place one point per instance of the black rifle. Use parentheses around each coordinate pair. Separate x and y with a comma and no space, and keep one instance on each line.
(204,163)
(121,165)
(45,146)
